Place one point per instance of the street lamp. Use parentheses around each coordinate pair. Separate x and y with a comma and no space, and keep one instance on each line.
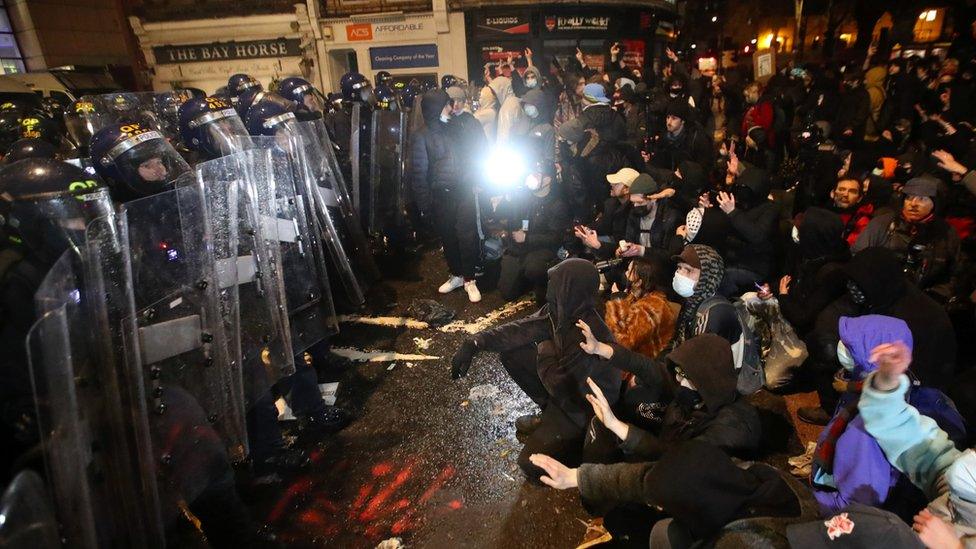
(714,18)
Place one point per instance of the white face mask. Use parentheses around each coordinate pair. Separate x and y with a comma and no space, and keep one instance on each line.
(683,286)
(844,357)
(531,83)
(683,381)
(796,235)
(531,111)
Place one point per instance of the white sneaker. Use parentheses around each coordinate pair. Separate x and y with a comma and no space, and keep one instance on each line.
(474,295)
(452,284)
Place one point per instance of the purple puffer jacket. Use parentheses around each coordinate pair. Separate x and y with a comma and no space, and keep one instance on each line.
(861,472)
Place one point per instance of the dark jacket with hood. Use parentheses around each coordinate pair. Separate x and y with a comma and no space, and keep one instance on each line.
(696,484)
(548,220)
(571,296)
(819,277)
(754,224)
(541,140)
(706,312)
(608,123)
(886,291)
(713,413)
(434,154)
(688,187)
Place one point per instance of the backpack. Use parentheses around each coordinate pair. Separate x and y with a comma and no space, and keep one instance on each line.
(752,375)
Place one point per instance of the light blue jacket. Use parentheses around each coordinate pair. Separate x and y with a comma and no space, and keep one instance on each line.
(915,445)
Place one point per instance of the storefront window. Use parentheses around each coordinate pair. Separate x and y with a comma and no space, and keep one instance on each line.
(11,60)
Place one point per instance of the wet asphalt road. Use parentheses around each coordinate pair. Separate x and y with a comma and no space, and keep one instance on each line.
(432,460)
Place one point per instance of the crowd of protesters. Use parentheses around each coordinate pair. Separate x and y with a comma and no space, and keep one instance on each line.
(694,237)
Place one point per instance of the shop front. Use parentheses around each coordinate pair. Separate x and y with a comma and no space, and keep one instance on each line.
(422,46)
(205,53)
(554,33)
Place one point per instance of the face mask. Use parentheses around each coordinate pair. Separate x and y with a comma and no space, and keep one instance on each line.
(531,111)
(683,286)
(533,182)
(844,357)
(687,384)
(961,477)
(796,235)
(531,83)
(445,118)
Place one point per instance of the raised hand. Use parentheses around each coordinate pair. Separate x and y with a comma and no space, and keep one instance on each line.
(557,475)
(603,412)
(893,360)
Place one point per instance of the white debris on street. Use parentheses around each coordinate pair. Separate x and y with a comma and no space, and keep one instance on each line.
(486,390)
(357,355)
(422,344)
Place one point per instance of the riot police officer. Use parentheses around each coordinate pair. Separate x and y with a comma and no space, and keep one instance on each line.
(351,127)
(40,218)
(137,161)
(303,93)
(386,98)
(82,120)
(239,83)
(384,78)
(210,127)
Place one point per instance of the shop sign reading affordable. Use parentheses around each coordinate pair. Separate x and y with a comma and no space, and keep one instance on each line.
(363,32)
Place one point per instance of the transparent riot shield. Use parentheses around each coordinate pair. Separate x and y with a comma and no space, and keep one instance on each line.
(248,274)
(333,208)
(28,519)
(387,202)
(355,155)
(285,222)
(157,110)
(97,458)
(177,326)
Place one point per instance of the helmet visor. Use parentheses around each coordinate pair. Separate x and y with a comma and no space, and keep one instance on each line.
(150,167)
(227,135)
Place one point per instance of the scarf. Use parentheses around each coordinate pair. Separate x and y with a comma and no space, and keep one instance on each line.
(712,271)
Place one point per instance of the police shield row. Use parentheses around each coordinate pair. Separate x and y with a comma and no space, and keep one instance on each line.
(173,305)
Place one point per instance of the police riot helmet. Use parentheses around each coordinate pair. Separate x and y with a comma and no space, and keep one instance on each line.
(355,87)
(386,99)
(449,80)
(246,99)
(30,147)
(384,77)
(195,92)
(82,120)
(303,93)
(408,95)
(46,204)
(211,126)
(264,117)
(239,83)
(38,125)
(136,160)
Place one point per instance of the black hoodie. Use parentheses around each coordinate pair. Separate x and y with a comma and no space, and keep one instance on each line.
(434,153)
(819,277)
(571,296)
(878,274)
(696,484)
(717,415)
(754,223)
